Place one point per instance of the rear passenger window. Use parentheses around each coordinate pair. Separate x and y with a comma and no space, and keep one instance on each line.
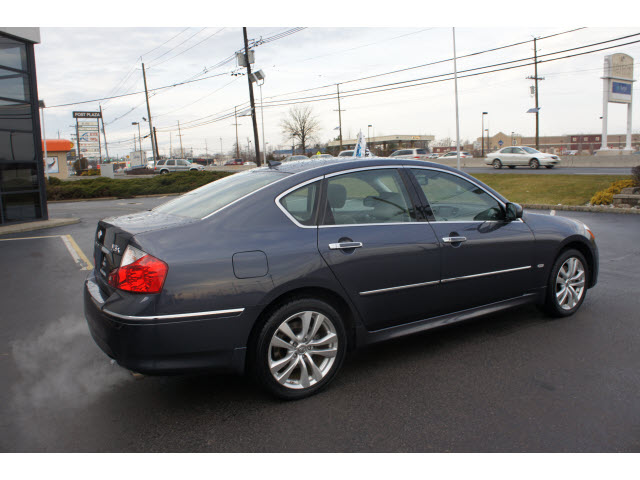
(301,203)
(366,197)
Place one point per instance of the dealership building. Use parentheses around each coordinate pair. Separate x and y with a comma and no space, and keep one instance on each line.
(22,181)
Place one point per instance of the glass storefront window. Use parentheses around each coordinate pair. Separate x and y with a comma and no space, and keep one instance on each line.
(13,54)
(14,87)
(21,206)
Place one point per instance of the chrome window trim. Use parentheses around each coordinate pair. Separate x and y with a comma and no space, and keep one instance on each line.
(486,274)
(401,287)
(286,192)
(360,169)
(371,224)
(446,280)
(237,311)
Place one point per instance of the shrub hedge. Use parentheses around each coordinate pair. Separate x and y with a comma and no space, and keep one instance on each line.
(178,182)
(605,197)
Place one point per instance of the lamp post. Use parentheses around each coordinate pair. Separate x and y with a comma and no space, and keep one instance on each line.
(139,139)
(512,142)
(488,143)
(483,114)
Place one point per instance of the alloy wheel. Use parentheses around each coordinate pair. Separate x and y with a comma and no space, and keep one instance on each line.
(570,283)
(302,350)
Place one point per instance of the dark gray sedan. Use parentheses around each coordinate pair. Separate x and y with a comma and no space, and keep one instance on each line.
(290,266)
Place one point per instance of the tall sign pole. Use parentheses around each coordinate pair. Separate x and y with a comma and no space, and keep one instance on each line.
(535,78)
(104,134)
(146,95)
(618,88)
(256,138)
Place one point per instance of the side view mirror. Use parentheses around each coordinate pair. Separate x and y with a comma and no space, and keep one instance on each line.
(514,211)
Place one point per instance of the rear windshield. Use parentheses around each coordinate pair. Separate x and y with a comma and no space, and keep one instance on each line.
(421,151)
(213,196)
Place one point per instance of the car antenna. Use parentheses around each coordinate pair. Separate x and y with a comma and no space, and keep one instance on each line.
(273,163)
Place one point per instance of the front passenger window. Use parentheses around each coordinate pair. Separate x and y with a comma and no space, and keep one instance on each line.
(455,199)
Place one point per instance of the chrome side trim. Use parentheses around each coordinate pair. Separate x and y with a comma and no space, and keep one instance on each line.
(231,311)
(402,287)
(486,274)
(286,192)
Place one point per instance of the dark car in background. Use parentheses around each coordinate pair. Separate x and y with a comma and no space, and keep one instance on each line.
(315,258)
(235,161)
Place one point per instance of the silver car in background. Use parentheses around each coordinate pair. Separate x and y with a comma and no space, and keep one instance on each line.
(521,156)
(414,153)
(176,165)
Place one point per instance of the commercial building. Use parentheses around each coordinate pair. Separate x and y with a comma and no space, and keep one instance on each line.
(22,182)
(577,142)
(55,165)
(384,145)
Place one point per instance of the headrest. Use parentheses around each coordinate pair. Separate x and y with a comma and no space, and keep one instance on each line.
(337,195)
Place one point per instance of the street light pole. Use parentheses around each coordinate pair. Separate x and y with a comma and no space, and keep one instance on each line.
(139,137)
(483,114)
(488,142)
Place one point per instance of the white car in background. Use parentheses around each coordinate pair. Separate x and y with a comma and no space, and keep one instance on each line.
(349,153)
(521,156)
(414,153)
(455,155)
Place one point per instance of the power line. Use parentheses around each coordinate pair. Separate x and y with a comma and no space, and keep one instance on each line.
(163,44)
(425,64)
(187,49)
(181,43)
(138,93)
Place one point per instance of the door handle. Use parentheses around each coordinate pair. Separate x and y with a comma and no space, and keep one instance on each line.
(454,239)
(345,245)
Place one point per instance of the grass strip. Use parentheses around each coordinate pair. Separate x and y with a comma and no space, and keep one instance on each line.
(548,189)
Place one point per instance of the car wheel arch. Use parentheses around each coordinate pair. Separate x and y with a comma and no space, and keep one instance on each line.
(346,311)
(583,248)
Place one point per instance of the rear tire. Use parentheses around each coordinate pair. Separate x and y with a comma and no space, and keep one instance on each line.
(497,164)
(534,163)
(299,349)
(164,172)
(567,284)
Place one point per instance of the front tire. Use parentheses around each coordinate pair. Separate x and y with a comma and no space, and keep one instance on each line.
(497,164)
(567,285)
(299,349)
(534,163)
(164,172)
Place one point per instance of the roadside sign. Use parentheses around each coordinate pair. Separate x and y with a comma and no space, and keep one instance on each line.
(87,115)
(500,142)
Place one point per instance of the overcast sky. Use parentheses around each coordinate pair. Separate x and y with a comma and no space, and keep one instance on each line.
(76,64)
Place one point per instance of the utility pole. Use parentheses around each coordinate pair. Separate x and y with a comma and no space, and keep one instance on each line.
(146,95)
(180,135)
(155,140)
(206,148)
(235,115)
(536,78)
(104,134)
(135,149)
(339,115)
(170,144)
(455,71)
(253,105)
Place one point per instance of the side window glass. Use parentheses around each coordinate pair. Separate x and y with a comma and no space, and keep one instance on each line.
(171,162)
(455,199)
(301,203)
(366,197)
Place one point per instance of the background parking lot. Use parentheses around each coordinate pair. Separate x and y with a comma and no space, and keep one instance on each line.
(516,381)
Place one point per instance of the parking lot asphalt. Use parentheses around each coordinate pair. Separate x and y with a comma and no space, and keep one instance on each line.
(511,382)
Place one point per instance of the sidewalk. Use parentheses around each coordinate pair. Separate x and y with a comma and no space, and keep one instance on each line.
(38,225)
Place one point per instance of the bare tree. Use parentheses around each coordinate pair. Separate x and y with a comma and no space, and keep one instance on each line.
(443,142)
(300,124)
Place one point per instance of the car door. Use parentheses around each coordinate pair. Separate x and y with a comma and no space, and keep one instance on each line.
(383,255)
(485,258)
(520,156)
(505,156)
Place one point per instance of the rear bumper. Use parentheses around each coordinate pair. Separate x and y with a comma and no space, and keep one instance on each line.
(166,347)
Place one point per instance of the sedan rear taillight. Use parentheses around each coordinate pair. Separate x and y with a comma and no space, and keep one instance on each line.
(139,272)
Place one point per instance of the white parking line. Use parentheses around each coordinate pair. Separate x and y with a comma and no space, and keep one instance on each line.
(72,247)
